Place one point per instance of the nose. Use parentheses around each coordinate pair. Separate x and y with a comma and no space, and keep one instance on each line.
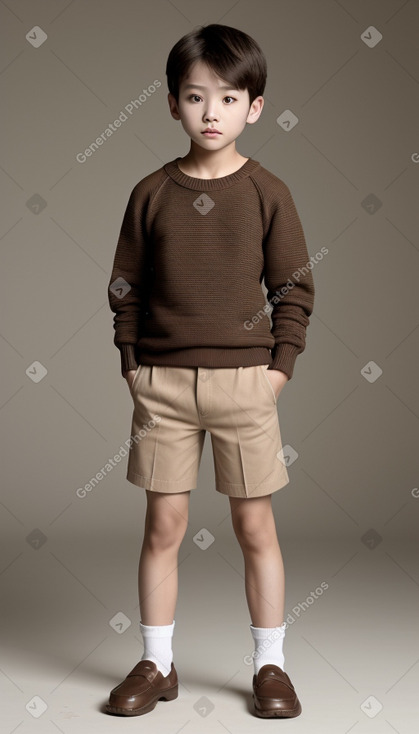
(210,113)
(211,118)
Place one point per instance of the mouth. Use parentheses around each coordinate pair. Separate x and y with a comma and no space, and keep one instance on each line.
(211,131)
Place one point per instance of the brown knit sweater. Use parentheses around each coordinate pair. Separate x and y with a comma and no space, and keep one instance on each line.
(186,279)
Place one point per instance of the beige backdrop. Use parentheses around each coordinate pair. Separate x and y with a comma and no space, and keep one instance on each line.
(348,70)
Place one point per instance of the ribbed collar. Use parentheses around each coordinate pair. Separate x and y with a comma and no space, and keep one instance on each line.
(209,184)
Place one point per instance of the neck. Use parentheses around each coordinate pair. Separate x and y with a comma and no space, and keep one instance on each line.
(211,164)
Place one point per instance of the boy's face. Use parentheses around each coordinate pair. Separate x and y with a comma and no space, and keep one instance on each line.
(206,101)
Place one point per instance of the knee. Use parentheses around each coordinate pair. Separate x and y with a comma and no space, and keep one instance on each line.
(251,532)
(166,532)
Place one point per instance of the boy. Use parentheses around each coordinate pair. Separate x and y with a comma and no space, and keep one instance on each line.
(198,353)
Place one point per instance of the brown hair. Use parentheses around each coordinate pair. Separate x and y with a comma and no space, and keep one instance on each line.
(233,55)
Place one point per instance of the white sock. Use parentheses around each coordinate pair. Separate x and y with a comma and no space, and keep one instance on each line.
(158,645)
(268,646)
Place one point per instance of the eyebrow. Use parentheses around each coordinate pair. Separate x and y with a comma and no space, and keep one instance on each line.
(199,86)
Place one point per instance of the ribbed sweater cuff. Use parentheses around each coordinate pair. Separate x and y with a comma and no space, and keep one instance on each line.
(128,361)
(284,359)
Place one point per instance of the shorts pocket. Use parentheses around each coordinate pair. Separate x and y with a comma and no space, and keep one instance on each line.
(137,372)
(264,367)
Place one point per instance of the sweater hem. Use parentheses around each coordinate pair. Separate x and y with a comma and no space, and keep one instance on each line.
(208,357)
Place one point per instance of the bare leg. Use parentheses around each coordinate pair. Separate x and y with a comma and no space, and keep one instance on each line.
(165,526)
(254,525)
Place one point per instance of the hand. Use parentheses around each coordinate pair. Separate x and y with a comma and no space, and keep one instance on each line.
(129,376)
(277,379)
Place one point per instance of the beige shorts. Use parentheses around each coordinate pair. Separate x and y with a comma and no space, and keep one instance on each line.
(175,406)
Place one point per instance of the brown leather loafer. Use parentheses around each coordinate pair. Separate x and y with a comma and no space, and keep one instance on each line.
(274,694)
(141,689)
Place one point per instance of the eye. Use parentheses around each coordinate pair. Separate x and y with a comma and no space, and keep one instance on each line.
(192,96)
(232,98)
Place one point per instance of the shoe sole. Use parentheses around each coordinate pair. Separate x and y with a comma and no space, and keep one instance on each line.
(168,695)
(277,714)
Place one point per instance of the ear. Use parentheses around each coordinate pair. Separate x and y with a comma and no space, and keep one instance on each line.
(255,110)
(174,110)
